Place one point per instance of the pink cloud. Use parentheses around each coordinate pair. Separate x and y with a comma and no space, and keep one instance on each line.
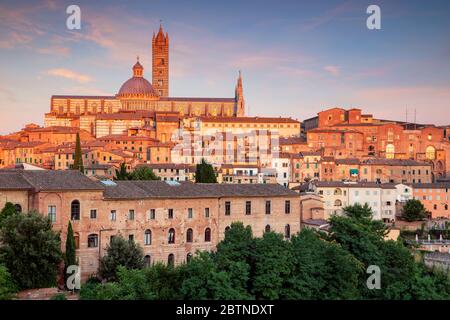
(333,70)
(69,74)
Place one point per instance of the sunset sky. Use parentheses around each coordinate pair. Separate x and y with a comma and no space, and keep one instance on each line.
(297,57)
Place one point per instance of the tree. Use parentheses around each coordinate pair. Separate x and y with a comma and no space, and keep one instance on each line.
(30,250)
(273,266)
(7,285)
(321,269)
(78,160)
(203,280)
(144,173)
(414,210)
(120,252)
(122,173)
(6,212)
(204,173)
(70,254)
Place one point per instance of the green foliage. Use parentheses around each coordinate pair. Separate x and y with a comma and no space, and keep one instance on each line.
(31,250)
(120,252)
(70,255)
(59,296)
(7,211)
(144,173)
(321,269)
(312,265)
(122,173)
(78,158)
(7,286)
(204,173)
(414,210)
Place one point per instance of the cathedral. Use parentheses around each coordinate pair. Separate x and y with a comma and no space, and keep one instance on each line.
(138,95)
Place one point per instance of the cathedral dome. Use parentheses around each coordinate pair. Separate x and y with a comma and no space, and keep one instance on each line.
(137,86)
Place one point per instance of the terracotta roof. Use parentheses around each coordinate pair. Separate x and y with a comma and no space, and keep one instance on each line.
(435,185)
(347,161)
(393,162)
(249,119)
(164,165)
(46,180)
(341,184)
(195,99)
(291,140)
(162,189)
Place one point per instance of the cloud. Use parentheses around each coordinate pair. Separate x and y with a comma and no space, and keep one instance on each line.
(55,50)
(333,70)
(69,74)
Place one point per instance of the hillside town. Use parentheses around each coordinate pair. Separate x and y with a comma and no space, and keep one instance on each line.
(273,173)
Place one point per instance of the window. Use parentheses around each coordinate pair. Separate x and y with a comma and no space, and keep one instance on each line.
(227,228)
(248,207)
(206,212)
(390,151)
(227,208)
(93,214)
(338,203)
(113,215)
(52,213)
(188,257)
(171,238)
(152,214)
(287,231)
(267,228)
(268,207)
(92,241)
(190,213)
(75,210)
(171,260)
(189,235)
(131,237)
(18,208)
(131,215)
(148,237)
(147,260)
(287,206)
(170,213)
(208,235)
(430,153)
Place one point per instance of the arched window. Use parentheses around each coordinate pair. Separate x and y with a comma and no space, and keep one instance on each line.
(390,151)
(189,235)
(227,228)
(75,210)
(18,208)
(171,260)
(208,235)
(338,203)
(147,260)
(446,207)
(287,231)
(148,237)
(171,235)
(267,229)
(430,153)
(92,241)
(337,192)
(188,257)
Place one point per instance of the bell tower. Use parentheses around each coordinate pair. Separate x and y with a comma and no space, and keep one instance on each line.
(160,62)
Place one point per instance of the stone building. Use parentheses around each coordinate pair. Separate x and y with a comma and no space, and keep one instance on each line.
(170,220)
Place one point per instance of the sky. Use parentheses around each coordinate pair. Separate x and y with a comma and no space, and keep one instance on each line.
(297,57)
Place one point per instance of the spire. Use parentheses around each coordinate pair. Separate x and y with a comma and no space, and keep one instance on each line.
(160,37)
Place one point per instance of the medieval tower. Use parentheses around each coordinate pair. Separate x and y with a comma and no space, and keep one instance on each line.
(160,63)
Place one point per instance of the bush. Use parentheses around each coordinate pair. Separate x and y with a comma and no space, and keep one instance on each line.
(59,296)
(7,286)
(120,252)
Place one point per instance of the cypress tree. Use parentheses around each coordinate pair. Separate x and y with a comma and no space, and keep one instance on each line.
(70,255)
(78,161)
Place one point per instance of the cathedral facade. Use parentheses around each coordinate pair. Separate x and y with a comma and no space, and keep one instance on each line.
(138,94)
